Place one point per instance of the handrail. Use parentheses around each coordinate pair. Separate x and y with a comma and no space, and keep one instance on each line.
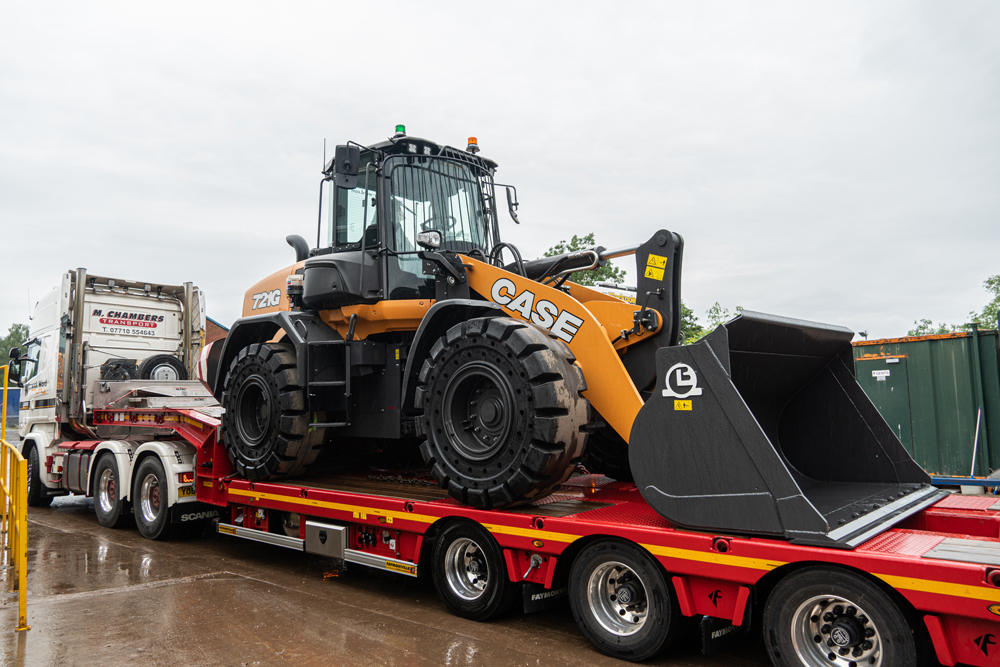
(13,513)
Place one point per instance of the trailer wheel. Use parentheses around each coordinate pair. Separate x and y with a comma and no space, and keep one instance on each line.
(265,427)
(37,497)
(622,600)
(502,411)
(470,574)
(112,511)
(832,617)
(162,367)
(150,497)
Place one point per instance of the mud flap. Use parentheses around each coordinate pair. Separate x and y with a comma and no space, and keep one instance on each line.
(761,428)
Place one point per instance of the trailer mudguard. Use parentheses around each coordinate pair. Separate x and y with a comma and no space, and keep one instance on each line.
(761,428)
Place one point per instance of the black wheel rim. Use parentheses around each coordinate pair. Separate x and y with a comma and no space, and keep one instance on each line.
(253,411)
(479,409)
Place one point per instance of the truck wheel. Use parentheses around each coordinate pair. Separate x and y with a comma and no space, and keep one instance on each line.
(622,600)
(112,511)
(150,494)
(470,574)
(828,616)
(37,496)
(502,411)
(607,454)
(266,427)
(163,367)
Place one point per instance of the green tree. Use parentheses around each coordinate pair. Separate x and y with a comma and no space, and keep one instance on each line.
(988,316)
(690,326)
(16,335)
(609,273)
(928,328)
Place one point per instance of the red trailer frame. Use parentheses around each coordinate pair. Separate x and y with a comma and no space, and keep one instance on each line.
(713,574)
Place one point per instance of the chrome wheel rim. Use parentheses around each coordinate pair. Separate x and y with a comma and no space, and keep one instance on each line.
(149,498)
(466,569)
(617,598)
(832,630)
(107,491)
(164,372)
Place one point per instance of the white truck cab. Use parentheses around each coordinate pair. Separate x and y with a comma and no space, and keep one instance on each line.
(100,342)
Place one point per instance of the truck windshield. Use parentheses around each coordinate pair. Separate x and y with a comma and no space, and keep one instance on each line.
(427,193)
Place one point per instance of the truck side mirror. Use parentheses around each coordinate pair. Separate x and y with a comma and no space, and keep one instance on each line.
(15,353)
(14,372)
(512,203)
(346,162)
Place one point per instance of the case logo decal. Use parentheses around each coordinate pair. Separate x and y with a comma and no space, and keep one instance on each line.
(562,323)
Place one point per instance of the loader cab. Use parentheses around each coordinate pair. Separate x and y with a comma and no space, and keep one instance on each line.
(372,217)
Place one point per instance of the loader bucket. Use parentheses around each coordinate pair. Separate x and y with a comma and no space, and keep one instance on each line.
(761,428)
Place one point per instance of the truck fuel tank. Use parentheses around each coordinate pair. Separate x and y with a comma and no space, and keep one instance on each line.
(761,428)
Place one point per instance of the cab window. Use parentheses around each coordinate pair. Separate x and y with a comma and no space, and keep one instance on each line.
(353,217)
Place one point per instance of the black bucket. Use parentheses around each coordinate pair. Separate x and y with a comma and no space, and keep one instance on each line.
(761,428)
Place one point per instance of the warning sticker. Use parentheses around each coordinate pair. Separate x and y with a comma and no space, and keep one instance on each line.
(655,266)
(682,405)
(399,567)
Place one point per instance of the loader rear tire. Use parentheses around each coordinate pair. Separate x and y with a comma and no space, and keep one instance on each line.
(265,427)
(502,411)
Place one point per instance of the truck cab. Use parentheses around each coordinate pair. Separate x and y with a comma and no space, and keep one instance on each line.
(100,341)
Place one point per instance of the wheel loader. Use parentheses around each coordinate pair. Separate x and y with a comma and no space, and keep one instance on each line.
(412,324)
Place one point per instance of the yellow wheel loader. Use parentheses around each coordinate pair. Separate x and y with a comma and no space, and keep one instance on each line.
(412,325)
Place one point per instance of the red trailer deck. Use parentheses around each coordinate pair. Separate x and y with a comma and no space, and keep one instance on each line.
(940,569)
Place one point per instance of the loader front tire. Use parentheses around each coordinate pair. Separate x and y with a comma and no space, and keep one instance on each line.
(502,411)
(265,427)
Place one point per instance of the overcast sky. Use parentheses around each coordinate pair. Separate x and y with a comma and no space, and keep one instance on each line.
(836,162)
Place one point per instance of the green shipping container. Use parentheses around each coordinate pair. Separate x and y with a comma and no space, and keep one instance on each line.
(930,389)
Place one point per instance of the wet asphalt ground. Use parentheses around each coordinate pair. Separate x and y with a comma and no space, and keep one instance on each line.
(109,598)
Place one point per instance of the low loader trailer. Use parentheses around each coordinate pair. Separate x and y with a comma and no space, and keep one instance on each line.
(927,587)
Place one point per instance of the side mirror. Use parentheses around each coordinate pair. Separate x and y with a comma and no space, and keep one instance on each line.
(15,353)
(14,372)
(512,203)
(346,161)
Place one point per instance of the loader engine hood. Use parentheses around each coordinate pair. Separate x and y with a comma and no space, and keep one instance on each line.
(761,428)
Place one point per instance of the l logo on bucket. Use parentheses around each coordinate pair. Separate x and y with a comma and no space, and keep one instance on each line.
(681,382)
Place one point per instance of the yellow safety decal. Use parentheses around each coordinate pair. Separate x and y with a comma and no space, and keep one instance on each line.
(654,273)
(397,354)
(355,510)
(359,515)
(658,261)
(941,587)
(714,557)
(399,567)
(228,530)
(682,405)
(206,483)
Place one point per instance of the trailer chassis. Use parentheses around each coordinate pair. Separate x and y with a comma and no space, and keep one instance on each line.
(939,570)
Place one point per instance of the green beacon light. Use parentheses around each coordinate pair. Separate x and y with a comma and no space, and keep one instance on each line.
(400,129)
